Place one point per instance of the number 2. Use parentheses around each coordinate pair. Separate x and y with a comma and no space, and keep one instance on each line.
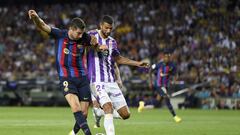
(98,87)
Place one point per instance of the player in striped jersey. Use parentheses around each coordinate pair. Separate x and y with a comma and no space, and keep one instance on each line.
(97,110)
(102,75)
(165,69)
(70,64)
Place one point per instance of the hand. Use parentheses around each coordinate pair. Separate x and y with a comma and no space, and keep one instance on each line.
(93,40)
(32,14)
(104,50)
(120,84)
(143,64)
(103,47)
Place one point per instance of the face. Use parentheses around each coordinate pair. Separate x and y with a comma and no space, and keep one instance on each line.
(106,29)
(75,33)
(166,57)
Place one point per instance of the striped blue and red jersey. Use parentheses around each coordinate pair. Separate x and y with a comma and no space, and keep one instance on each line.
(70,54)
(164,72)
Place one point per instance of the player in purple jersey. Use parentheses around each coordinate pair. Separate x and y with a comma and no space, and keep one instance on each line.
(102,75)
(165,69)
(70,64)
(97,110)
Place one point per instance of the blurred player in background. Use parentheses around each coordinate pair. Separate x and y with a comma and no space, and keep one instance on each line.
(165,70)
(102,75)
(70,65)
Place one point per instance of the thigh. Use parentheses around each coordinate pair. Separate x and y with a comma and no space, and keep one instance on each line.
(95,102)
(100,93)
(73,102)
(84,93)
(162,91)
(116,95)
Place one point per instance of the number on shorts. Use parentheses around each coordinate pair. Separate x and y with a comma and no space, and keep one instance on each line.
(98,87)
(65,84)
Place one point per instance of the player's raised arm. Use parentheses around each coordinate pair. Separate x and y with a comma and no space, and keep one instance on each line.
(123,60)
(38,21)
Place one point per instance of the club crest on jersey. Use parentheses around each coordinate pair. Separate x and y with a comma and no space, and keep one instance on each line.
(66,51)
(79,46)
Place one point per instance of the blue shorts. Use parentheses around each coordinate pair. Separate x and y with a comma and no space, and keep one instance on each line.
(162,91)
(78,86)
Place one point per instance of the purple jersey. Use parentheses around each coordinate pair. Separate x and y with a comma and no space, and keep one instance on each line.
(70,58)
(164,70)
(101,68)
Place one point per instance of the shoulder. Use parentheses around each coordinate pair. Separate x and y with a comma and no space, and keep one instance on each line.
(173,64)
(86,37)
(160,63)
(111,39)
(92,32)
(58,32)
(54,29)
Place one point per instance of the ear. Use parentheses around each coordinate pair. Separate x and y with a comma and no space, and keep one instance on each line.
(70,28)
(101,25)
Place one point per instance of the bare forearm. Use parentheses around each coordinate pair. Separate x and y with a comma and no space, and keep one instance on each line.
(126,61)
(41,24)
(117,72)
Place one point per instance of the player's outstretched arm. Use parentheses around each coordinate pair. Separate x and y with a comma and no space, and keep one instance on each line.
(123,60)
(38,21)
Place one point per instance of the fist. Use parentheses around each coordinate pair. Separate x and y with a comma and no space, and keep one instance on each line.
(103,47)
(93,40)
(143,64)
(32,14)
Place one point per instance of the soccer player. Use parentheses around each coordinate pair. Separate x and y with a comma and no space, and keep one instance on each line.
(70,64)
(165,69)
(97,110)
(102,79)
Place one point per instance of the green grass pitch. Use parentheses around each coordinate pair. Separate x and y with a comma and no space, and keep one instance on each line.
(59,121)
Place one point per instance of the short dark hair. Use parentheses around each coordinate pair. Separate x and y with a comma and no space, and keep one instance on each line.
(77,23)
(108,19)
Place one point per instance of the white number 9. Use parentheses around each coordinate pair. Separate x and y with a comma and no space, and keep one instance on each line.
(65,83)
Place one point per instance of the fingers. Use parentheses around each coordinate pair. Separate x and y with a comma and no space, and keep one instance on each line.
(93,40)
(32,13)
(144,65)
(103,47)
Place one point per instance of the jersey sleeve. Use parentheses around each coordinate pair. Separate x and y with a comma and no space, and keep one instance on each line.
(87,38)
(56,33)
(155,66)
(115,51)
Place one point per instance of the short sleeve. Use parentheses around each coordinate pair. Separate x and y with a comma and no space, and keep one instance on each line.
(153,66)
(156,66)
(57,33)
(115,51)
(86,38)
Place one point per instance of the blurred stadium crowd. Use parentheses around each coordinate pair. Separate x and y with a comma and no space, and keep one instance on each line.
(205,36)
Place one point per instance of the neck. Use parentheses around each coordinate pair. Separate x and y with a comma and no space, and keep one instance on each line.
(102,35)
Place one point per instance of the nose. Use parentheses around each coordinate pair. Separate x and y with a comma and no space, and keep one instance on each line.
(108,30)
